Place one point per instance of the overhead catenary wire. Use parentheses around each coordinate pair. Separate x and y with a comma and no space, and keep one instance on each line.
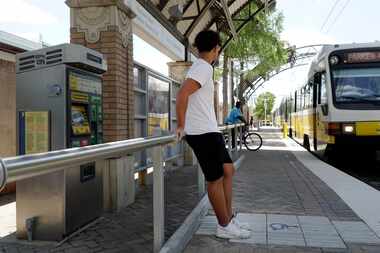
(329,15)
(338,16)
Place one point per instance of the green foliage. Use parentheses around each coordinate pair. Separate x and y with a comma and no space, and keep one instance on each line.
(218,73)
(260,107)
(259,44)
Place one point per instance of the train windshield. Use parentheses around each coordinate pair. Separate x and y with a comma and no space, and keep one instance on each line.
(357,85)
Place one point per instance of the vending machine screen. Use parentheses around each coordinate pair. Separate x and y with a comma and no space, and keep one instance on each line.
(79,120)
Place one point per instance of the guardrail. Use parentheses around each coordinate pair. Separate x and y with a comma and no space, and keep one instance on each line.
(28,166)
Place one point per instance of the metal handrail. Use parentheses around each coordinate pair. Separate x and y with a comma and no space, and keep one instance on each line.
(230,126)
(27,166)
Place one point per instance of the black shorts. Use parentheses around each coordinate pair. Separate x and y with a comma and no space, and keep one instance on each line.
(210,150)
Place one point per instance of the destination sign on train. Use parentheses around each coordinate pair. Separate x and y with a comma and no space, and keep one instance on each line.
(359,57)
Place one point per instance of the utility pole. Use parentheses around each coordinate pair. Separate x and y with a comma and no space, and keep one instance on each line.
(232,85)
(265,111)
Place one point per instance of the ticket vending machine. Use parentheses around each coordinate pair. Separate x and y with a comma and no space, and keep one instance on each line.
(59,105)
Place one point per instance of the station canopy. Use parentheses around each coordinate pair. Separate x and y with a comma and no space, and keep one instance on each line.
(184,19)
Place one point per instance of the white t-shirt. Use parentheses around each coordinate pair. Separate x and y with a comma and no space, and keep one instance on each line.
(200,114)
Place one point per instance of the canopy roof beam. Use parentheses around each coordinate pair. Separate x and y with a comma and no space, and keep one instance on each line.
(199,18)
(162,5)
(154,11)
(229,18)
(251,17)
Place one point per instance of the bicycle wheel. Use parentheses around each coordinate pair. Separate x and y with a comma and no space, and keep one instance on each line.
(253,141)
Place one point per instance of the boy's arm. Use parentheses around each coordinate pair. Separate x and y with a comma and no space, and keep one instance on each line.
(189,87)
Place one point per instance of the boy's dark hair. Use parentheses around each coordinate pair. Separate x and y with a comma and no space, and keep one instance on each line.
(207,40)
(238,104)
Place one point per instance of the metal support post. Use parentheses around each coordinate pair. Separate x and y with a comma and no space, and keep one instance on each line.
(230,141)
(158,199)
(130,178)
(201,181)
(3,175)
(119,183)
(181,157)
(241,138)
(235,137)
(194,160)
(117,192)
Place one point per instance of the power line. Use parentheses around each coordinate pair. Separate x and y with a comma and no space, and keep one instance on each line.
(328,16)
(339,14)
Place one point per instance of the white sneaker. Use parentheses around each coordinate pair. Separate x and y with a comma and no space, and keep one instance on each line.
(232,231)
(241,225)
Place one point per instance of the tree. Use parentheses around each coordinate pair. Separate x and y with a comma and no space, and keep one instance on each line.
(258,48)
(268,98)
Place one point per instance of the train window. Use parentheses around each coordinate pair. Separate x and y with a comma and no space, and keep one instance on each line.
(323,98)
(320,82)
(309,92)
(306,96)
(314,94)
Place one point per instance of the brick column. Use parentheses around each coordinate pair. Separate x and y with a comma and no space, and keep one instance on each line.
(106,26)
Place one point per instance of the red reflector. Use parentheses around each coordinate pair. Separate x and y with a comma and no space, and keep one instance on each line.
(334,128)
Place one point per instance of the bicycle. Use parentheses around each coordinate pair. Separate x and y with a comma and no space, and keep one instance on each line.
(251,140)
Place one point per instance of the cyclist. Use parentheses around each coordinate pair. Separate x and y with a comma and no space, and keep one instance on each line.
(197,122)
(234,117)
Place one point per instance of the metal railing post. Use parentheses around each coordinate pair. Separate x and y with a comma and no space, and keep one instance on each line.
(230,140)
(235,137)
(158,199)
(241,137)
(201,181)
(130,178)
(3,175)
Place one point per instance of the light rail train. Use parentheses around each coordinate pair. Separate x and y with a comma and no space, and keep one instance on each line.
(339,106)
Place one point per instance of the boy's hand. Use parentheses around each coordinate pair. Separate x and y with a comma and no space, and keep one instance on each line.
(180,133)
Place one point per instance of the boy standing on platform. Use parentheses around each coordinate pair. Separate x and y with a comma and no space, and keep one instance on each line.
(197,122)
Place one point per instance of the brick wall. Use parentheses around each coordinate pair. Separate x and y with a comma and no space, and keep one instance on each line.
(118,92)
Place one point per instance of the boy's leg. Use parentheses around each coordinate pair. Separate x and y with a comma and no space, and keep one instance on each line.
(229,171)
(217,199)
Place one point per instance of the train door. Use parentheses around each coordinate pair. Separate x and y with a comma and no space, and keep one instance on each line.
(321,117)
(314,117)
(294,120)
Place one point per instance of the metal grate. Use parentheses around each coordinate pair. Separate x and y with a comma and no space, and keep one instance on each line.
(33,61)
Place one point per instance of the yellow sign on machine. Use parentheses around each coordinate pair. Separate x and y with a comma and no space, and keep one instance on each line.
(79,120)
(36,132)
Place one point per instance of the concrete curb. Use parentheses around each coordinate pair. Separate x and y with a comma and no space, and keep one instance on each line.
(357,195)
(178,241)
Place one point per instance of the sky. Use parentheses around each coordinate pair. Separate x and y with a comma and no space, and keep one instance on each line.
(308,22)
(305,22)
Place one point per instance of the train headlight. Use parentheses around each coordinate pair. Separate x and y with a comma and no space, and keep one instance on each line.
(334,60)
(348,128)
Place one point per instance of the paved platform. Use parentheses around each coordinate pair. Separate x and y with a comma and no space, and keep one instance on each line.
(293,202)
(289,207)
(130,230)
